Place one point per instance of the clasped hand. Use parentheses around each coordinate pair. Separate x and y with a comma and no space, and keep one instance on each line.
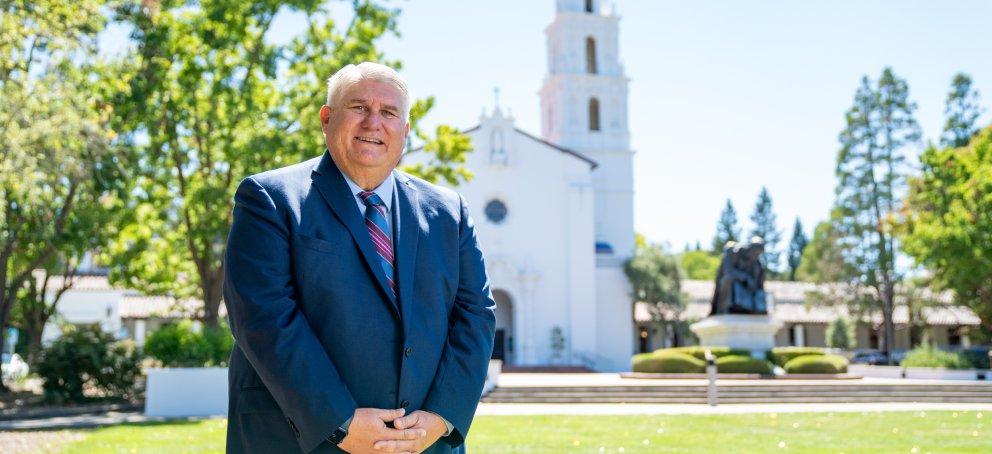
(410,434)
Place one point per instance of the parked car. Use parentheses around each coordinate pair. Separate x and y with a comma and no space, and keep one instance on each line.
(870,357)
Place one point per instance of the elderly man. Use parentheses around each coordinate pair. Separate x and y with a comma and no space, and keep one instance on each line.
(357,294)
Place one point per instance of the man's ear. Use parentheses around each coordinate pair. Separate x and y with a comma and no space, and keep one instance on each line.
(325,114)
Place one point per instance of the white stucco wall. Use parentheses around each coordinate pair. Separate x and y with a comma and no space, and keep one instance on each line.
(87,306)
(541,254)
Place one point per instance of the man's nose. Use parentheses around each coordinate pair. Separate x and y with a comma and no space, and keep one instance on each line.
(372,120)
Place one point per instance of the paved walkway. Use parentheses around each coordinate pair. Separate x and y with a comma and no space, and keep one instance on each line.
(702,409)
(112,418)
(84,421)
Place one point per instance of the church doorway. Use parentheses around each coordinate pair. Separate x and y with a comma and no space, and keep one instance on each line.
(503,346)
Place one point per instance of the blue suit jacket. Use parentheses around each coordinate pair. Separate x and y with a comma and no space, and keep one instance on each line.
(317,335)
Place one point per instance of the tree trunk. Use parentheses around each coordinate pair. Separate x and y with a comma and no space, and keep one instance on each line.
(213,293)
(676,341)
(4,312)
(889,326)
(35,329)
(212,287)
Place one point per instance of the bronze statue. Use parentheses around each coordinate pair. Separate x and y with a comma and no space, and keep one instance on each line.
(740,281)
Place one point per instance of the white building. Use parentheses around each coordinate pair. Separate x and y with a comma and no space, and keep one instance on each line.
(554,214)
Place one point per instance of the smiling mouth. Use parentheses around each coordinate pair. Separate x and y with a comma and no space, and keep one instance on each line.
(369,140)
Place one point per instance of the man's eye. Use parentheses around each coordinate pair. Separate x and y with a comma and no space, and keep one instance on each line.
(389,114)
(359,108)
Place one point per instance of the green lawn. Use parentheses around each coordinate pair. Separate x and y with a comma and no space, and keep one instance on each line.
(904,432)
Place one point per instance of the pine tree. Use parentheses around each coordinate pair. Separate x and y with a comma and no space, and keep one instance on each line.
(840,334)
(796,247)
(871,180)
(726,228)
(961,111)
(763,219)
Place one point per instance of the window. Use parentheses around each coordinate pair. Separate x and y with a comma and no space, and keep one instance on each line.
(496,211)
(497,150)
(590,55)
(593,114)
(588,6)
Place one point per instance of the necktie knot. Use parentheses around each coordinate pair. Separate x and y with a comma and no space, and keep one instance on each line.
(371,199)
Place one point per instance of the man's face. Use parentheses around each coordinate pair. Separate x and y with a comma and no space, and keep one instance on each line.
(366,132)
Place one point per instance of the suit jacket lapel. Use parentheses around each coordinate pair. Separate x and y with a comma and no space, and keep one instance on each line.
(336,193)
(408,231)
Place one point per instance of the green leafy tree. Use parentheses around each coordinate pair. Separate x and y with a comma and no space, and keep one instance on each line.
(763,219)
(60,168)
(796,247)
(840,334)
(726,228)
(948,223)
(209,101)
(871,178)
(961,111)
(699,264)
(823,258)
(655,279)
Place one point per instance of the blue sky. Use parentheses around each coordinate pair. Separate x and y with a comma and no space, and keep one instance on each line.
(725,96)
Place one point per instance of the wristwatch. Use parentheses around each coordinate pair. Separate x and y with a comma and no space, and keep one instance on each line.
(338,436)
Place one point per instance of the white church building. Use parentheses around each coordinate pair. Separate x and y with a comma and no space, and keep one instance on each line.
(554,213)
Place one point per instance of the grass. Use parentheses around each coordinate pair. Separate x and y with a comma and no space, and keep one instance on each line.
(187,437)
(876,432)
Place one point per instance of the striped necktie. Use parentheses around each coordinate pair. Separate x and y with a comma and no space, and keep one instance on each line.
(379,232)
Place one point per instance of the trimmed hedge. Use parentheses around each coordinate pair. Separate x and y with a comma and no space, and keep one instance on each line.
(699,352)
(817,364)
(780,356)
(735,364)
(179,345)
(930,356)
(667,362)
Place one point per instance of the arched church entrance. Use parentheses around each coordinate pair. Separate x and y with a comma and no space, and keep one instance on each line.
(503,346)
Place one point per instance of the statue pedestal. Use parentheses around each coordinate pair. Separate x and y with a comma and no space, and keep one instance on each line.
(746,331)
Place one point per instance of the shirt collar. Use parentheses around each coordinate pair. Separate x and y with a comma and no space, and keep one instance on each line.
(384,191)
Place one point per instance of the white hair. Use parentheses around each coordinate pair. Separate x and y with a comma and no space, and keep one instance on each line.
(353,74)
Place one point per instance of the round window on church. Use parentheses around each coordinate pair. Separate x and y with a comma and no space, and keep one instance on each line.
(496,211)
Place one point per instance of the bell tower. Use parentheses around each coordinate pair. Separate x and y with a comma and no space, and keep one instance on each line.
(584,108)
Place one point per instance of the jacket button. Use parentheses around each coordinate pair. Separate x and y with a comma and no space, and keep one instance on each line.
(404,404)
(408,351)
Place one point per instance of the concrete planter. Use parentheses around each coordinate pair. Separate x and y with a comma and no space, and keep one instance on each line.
(186,391)
(865,370)
(924,373)
(936,373)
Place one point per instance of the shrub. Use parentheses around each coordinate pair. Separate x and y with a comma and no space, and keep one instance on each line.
(977,356)
(930,356)
(179,345)
(668,362)
(840,334)
(86,356)
(780,356)
(817,364)
(699,352)
(121,369)
(735,364)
